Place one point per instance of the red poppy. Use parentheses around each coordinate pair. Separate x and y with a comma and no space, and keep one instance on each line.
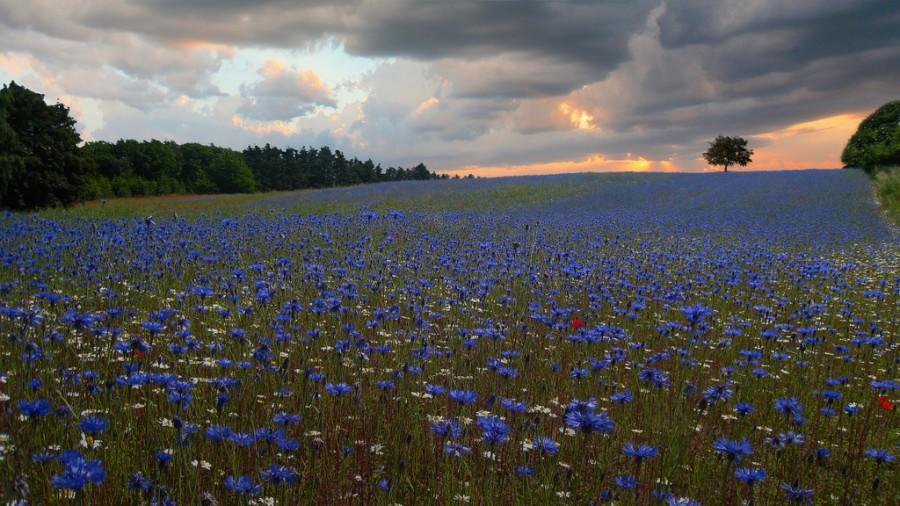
(138,353)
(884,402)
(576,323)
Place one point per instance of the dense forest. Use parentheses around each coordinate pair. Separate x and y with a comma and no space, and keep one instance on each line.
(44,163)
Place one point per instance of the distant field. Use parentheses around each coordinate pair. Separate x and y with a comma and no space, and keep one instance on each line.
(574,339)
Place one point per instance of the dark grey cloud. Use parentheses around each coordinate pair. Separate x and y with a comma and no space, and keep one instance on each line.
(466,81)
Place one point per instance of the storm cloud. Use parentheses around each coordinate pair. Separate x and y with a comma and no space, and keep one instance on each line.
(461,83)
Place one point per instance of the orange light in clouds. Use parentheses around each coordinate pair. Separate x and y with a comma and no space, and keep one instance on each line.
(809,144)
(593,163)
(263,127)
(202,45)
(579,117)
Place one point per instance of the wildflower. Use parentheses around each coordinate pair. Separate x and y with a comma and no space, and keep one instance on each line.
(94,424)
(545,445)
(717,393)
(622,397)
(463,396)
(495,430)
(733,450)
(37,408)
(589,422)
(788,406)
(242,485)
(283,418)
(77,472)
(279,474)
(514,406)
(796,494)
(884,402)
(455,449)
(750,475)
(880,455)
(446,428)
(639,452)
(338,389)
(625,481)
(743,408)
(217,433)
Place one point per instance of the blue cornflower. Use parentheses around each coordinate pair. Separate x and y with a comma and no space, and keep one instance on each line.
(545,445)
(94,424)
(386,385)
(579,372)
(733,450)
(241,439)
(743,408)
(455,449)
(589,422)
(625,481)
(279,474)
(514,406)
(880,455)
(496,431)
(446,428)
(784,439)
(242,485)
(717,393)
(138,481)
(639,452)
(788,406)
(43,457)
(287,444)
(338,389)
(282,418)
(434,390)
(384,484)
(78,472)
(796,494)
(524,471)
(153,327)
(37,408)
(750,475)
(217,433)
(622,397)
(463,396)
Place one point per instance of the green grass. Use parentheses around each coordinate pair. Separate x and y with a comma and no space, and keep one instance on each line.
(887,189)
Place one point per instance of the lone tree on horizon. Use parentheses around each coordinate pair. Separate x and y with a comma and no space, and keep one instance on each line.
(726,151)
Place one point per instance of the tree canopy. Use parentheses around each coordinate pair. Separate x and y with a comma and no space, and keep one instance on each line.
(876,142)
(727,151)
(41,163)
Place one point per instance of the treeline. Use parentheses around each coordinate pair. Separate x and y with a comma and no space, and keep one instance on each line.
(129,167)
(42,164)
(291,169)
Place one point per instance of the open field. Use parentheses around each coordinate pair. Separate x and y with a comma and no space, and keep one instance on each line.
(627,338)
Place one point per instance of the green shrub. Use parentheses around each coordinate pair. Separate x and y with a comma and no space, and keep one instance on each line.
(877,141)
(887,188)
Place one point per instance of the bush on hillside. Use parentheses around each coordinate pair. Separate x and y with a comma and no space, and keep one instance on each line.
(877,141)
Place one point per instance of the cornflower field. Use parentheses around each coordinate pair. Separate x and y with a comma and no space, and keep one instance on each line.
(581,339)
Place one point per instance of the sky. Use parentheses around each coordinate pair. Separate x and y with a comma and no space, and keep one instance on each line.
(490,87)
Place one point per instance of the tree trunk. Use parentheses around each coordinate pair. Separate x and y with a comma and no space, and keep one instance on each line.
(726,167)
